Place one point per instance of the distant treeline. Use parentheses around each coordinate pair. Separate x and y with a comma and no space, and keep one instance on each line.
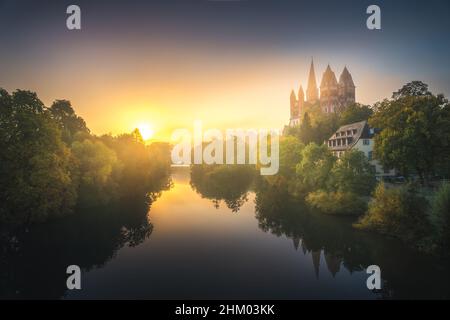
(52,164)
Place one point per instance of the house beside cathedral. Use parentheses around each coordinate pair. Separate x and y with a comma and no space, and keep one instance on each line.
(334,96)
(358,136)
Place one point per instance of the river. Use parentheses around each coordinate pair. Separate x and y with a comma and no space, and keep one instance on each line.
(191,245)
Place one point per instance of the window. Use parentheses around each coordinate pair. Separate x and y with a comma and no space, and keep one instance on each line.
(366,142)
(370,155)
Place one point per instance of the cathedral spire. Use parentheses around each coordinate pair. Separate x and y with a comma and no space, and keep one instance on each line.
(301,94)
(312,91)
(293,97)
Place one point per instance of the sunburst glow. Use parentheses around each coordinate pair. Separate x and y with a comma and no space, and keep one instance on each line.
(146,130)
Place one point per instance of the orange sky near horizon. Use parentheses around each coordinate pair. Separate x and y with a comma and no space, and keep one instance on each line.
(115,90)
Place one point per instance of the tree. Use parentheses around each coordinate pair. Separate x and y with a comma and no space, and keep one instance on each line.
(97,171)
(337,202)
(398,212)
(415,132)
(341,193)
(137,136)
(355,113)
(325,126)
(35,164)
(353,173)
(306,132)
(412,89)
(290,155)
(313,171)
(69,122)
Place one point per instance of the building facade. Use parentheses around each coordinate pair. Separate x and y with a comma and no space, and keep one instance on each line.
(334,96)
(357,136)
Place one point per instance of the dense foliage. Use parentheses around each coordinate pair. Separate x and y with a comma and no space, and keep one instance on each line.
(398,212)
(415,132)
(312,173)
(337,202)
(50,163)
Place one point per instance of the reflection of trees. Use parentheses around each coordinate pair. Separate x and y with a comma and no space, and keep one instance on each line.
(333,241)
(33,262)
(223,182)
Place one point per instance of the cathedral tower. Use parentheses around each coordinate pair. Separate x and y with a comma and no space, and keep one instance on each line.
(312,93)
(346,89)
(329,91)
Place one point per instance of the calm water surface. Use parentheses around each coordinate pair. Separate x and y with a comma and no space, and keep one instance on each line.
(246,245)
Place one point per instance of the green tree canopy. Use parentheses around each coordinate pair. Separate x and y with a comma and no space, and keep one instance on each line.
(290,155)
(69,122)
(355,113)
(415,133)
(35,163)
(353,173)
(315,166)
(96,164)
(412,89)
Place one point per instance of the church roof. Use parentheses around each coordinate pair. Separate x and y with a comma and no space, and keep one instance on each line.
(328,78)
(301,92)
(346,78)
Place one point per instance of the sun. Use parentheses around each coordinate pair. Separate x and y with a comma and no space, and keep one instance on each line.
(146,131)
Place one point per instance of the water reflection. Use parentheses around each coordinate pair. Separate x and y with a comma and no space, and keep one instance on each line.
(406,273)
(228,183)
(183,249)
(33,261)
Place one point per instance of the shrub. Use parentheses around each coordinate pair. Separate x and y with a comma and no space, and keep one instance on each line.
(342,203)
(398,212)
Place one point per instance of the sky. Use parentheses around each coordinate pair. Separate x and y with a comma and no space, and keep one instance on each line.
(230,64)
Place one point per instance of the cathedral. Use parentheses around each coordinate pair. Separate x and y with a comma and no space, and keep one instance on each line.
(334,95)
